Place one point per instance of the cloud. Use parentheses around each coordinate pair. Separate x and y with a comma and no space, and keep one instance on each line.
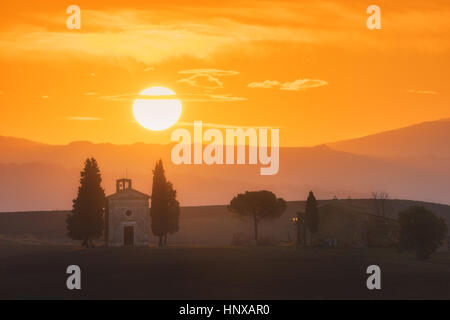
(187,97)
(83,118)
(44,97)
(302,84)
(213,72)
(225,126)
(265,84)
(205,81)
(422,91)
(90,93)
(214,98)
(200,32)
(125,97)
(149,69)
(205,78)
(297,85)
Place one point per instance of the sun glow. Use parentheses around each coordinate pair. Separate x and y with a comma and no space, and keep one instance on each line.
(158,111)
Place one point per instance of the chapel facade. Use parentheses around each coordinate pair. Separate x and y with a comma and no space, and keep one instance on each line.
(127,216)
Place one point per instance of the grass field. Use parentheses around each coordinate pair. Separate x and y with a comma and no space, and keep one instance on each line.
(38,271)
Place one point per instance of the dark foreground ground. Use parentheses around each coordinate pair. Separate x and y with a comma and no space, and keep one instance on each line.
(38,272)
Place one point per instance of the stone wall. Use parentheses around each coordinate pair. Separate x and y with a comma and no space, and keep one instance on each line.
(118,219)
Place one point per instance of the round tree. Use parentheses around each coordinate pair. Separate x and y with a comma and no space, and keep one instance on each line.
(421,231)
(256,206)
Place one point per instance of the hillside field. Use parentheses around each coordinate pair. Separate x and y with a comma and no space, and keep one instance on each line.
(39,272)
(200,263)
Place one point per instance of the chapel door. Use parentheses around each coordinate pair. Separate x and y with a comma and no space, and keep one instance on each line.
(128,235)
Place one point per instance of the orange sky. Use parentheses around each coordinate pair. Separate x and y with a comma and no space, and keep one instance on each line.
(310,68)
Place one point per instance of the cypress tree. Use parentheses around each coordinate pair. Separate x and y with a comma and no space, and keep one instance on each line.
(173,211)
(85,222)
(165,209)
(159,203)
(312,213)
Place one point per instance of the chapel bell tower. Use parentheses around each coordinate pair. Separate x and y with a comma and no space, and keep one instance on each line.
(123,184)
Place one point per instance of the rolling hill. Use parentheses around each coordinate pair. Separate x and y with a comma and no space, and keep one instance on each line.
(199,225)
(423,140)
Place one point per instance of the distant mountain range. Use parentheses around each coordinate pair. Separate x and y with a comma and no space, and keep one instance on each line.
(408,163)
(427,139)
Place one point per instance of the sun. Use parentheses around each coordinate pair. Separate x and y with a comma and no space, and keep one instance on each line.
(157,110)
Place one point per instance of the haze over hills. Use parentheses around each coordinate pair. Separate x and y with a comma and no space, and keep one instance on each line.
(38,176)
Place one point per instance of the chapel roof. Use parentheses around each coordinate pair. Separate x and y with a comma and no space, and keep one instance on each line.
(128,194)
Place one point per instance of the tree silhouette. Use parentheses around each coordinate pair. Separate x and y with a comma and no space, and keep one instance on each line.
(381,202)
(174,209)
(85,222)
(312,214)
(256,206)
(173,212)
(165,209)
(421,231)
